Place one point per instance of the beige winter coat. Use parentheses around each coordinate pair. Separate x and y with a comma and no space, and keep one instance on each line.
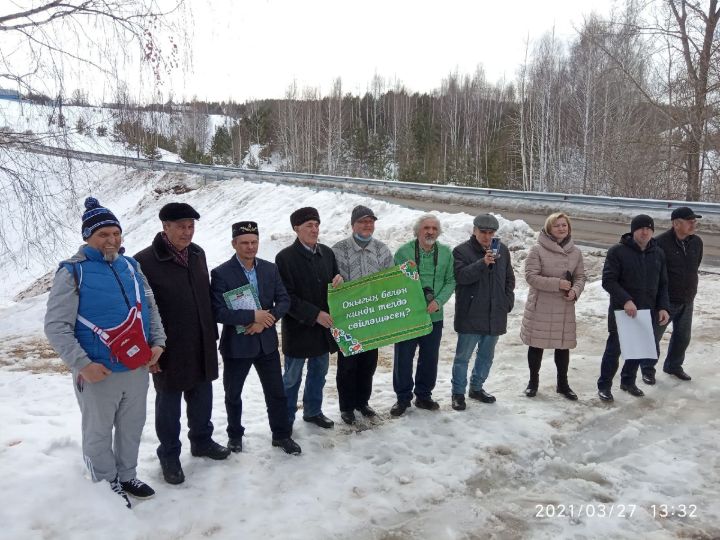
(549,319)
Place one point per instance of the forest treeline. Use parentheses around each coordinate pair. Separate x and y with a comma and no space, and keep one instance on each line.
(629,107)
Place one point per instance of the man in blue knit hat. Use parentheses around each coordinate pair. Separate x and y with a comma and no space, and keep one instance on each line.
(102,320)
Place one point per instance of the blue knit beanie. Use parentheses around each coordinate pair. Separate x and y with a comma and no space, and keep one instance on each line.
(96,217)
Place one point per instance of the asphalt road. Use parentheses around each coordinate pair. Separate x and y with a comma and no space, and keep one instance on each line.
(591,232)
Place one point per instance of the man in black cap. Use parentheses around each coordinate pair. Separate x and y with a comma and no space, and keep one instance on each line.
(306,268)
(683,251)
(635,276)
(248,298)
(357,256)
(177,271)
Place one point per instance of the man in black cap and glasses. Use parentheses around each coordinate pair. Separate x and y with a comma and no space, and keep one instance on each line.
(357,256)
(683,252)
(178,274)
(635,276)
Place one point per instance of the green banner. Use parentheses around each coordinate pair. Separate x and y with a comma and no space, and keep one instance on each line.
(379,309)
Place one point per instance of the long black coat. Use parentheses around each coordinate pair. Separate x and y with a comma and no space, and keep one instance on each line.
(183,298)
(306,276)
(682,265)
(633,274)
(483,296)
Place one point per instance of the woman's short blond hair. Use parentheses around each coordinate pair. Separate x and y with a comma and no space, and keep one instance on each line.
(552,218)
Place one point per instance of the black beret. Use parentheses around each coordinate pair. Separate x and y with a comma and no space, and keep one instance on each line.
(301,215)
(244,227)
(177,210)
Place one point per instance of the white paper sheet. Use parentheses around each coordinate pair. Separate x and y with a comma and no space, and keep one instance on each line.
(637,340)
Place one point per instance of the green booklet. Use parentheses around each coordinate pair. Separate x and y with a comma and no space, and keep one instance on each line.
(244,297)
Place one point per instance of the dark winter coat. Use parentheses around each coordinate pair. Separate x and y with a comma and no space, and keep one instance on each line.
(183,298)
(633,274)
(272,295)
(483,294)
(682,265)
(306,276)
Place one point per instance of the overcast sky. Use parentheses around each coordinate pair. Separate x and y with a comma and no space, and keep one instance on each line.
(245,49)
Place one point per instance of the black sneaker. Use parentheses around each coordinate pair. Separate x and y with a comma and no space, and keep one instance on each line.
(567,392)
(288,445)
(320,420)
(648,379)
(429,404)
(399,408)
(605,395)
(138,489)
(632,390)
(235,445)
(680,374)
(458,402)
(348,417)
(211,450)
(481,395)
(172,471)
(116,486)
(367,411)
(531,391)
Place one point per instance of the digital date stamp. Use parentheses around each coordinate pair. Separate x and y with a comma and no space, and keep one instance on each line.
(585,510)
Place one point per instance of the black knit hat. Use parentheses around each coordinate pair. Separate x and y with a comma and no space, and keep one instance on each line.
(96,217)
(244,227)
(301,215)
(175,211)
(640,221)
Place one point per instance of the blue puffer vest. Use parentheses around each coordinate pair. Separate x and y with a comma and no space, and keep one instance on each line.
(102,301)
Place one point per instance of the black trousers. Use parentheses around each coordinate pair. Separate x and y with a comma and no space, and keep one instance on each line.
(354,379)
(562,362)
(270,373)
(167,418)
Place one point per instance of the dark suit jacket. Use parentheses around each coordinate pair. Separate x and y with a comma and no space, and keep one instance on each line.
(273,297)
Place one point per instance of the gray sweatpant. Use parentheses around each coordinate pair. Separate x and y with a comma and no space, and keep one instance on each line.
(118,401)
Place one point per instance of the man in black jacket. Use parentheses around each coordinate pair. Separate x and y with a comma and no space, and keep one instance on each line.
(635,276)
(178,275)
(683,252)
(306,268)
(484,295)
(249,337)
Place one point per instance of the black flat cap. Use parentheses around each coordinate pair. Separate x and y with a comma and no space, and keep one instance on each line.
(175,211)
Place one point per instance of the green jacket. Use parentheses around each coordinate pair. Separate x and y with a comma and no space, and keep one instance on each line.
(443,276)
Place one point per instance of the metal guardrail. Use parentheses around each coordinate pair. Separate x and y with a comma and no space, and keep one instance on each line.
(214,172)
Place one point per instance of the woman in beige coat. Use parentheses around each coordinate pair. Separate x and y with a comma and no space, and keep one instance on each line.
(555,273)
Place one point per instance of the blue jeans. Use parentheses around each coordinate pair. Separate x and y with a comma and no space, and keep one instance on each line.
(681,318)
(426,372)
(483,361)
(611,361)
(314,384)
(167,418)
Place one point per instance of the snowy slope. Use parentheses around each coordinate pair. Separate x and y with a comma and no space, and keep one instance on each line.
(479,473)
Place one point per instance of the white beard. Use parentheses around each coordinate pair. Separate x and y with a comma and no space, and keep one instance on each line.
(110,256)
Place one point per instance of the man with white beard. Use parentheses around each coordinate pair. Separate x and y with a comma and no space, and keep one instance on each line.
(435,266)
(100,298)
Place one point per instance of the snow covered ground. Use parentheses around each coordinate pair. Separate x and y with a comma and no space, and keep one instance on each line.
(492,471)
